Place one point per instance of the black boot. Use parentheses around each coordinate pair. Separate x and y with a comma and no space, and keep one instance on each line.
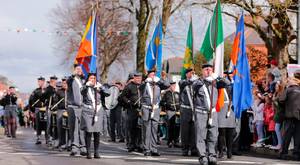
(88,138)
(96,145)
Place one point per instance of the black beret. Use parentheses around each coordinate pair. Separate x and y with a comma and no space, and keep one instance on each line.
(207,65)
(188,70)
(41,78)
(75,65)
(53,78)
(172,82)
(151,70)
(137,74)
(64,78)
(92,74)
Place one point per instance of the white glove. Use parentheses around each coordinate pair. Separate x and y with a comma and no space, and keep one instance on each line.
(148,79)
(194,77)
(98,85)
(214,76)
(89,83)
(209,79)
(156,79)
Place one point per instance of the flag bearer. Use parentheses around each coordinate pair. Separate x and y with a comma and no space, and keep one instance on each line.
(90,123)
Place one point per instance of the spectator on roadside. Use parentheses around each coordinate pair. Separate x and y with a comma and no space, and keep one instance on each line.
(290,100)
(271,83)
(278,117)
(269,120)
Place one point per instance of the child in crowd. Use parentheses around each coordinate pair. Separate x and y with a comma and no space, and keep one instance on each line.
(269,120)
(257,108)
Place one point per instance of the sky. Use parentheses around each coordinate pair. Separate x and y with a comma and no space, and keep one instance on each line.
(28,55)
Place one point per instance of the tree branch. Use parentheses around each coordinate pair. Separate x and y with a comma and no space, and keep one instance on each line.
(178,6)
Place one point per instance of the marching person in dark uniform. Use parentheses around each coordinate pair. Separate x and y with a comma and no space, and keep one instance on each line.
(150,111)
(131,100)
(115,108)
(186,114)
(90,123)
(61,108)
(170,102)
(9,102)
(49,97)
(206,117)
(124,118)
(37,106)
(226,125)
(74,99)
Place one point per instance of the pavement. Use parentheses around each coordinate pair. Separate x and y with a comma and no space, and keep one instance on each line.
(23,151)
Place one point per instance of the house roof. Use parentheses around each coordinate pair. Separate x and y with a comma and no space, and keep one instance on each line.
(252,37)
(175,64)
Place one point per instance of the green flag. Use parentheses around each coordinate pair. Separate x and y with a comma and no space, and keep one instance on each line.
(188,56)
(214,39)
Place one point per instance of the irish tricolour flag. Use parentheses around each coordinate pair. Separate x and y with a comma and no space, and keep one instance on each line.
(213,47)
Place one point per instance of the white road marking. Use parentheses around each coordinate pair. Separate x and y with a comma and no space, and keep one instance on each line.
(103,142)
(239,162)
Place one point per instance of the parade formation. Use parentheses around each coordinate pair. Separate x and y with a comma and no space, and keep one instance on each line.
(71,111)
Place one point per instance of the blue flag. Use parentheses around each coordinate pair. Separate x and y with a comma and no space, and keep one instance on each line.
(93,64)
(153,57)
(242,91)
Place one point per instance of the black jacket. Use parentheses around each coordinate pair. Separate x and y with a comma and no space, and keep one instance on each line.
(61,94)
(290,99)
(8,100)
(171,101)
(130,97)
(50,98)
(35,96)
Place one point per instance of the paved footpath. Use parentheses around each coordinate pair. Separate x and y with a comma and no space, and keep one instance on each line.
(23,151)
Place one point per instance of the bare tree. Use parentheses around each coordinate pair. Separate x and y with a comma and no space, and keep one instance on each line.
(144,11)
(113,31)
(279,32)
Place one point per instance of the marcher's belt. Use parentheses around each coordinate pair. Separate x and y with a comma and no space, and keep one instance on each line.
(73,106)
(204,111)
(90,106)
(87,106)
(201,111)
(150,107)
(186,106)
